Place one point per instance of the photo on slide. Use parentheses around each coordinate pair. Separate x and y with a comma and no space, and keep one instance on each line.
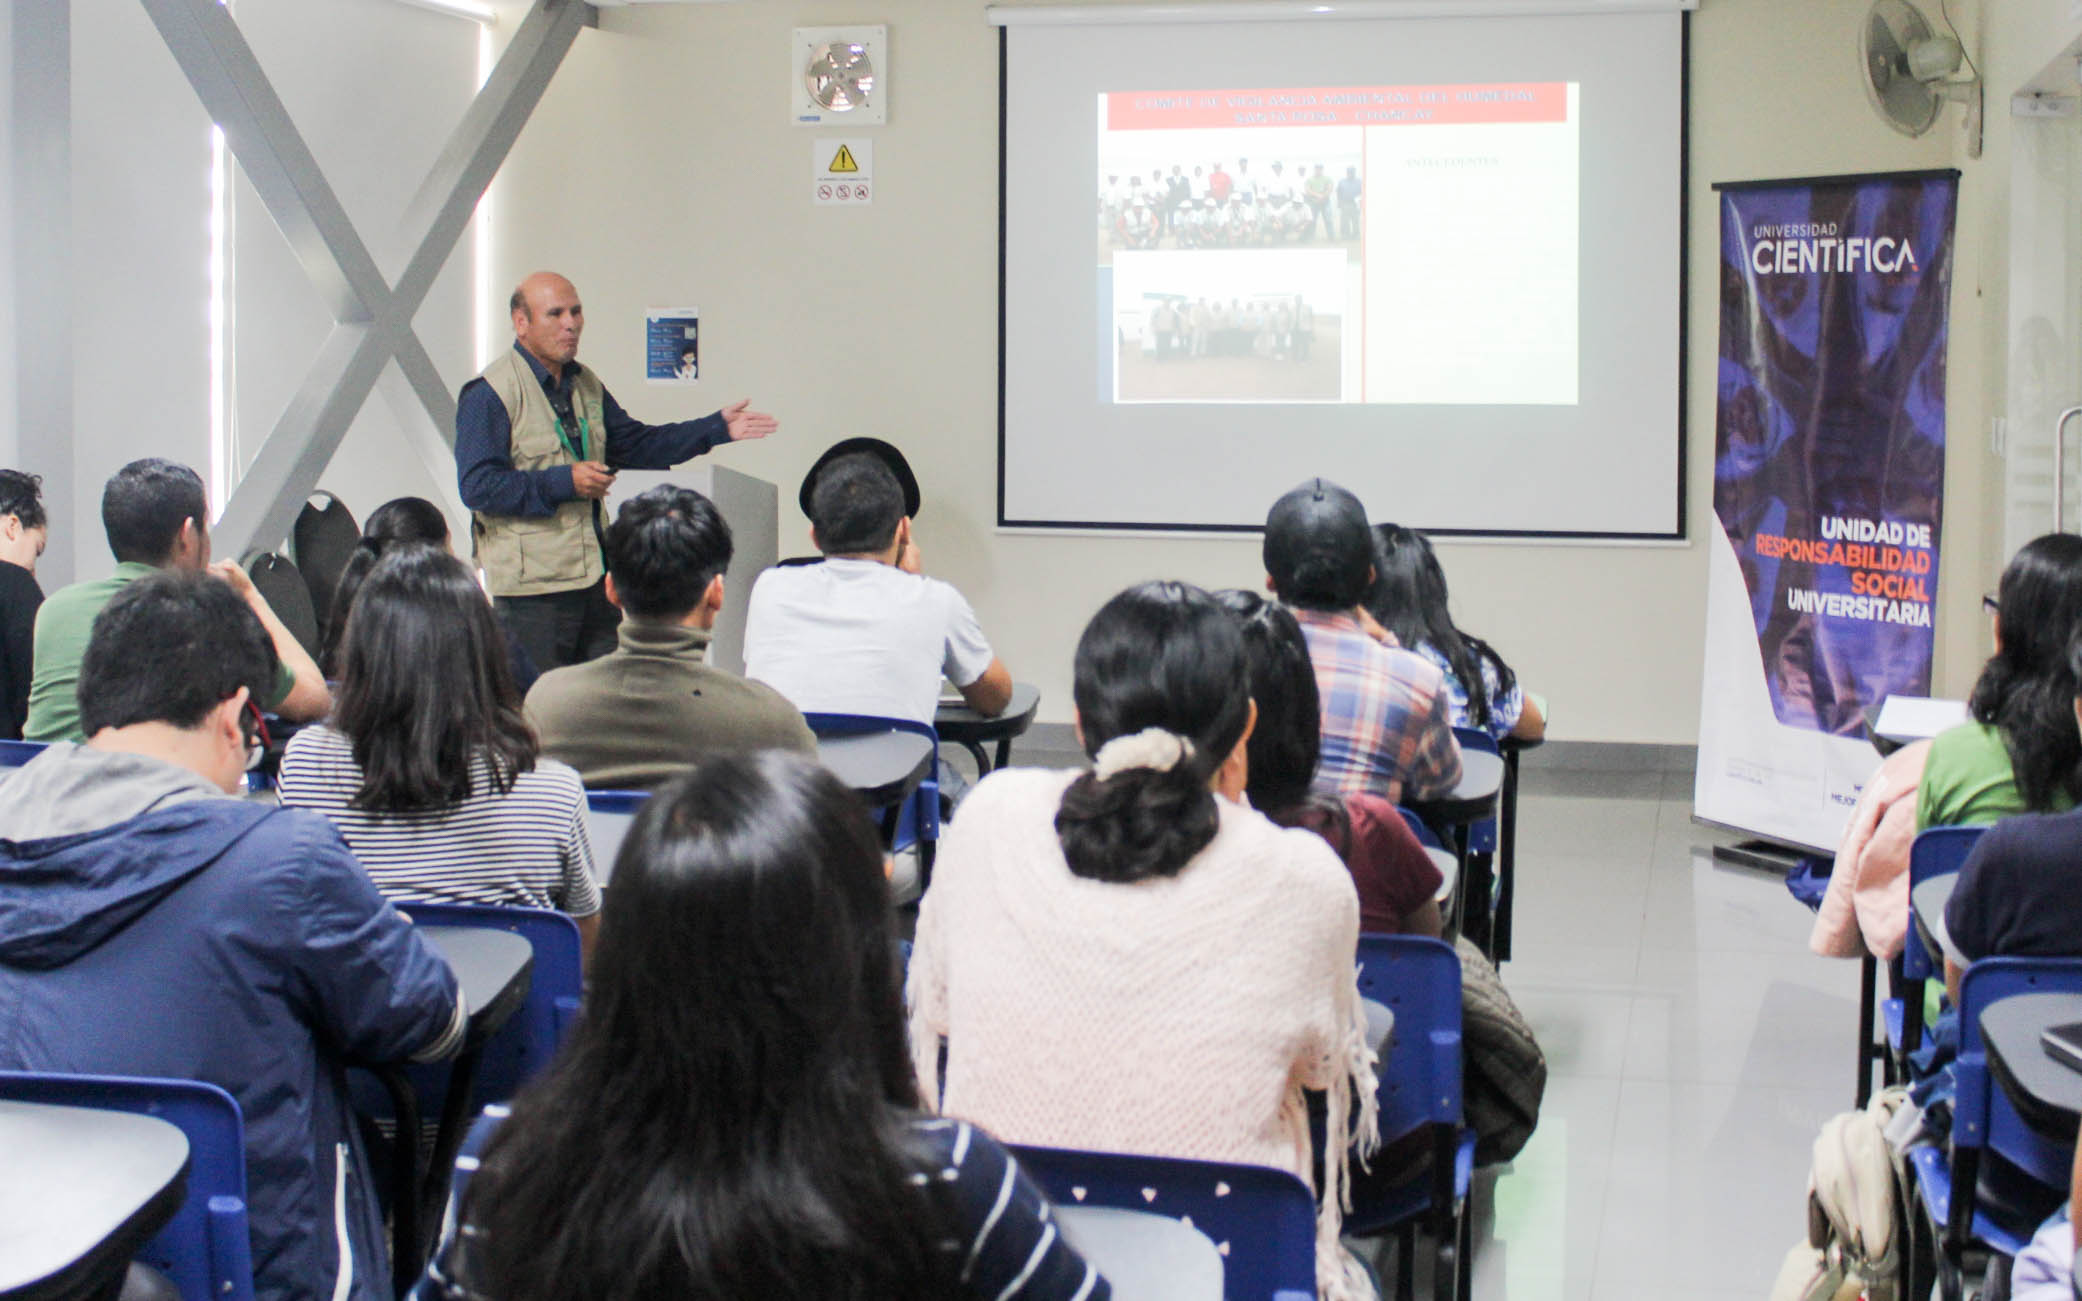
(1268,187)
(1230,325)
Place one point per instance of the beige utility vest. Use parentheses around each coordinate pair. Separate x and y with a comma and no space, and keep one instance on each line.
(526,556)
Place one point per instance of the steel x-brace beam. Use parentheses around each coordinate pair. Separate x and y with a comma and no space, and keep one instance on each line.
(372,318)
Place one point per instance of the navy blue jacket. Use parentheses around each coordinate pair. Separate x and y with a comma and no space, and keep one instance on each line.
(241,944)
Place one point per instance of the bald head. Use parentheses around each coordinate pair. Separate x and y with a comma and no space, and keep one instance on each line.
(548,318)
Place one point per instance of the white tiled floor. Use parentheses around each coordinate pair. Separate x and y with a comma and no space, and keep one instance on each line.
(1694,1048)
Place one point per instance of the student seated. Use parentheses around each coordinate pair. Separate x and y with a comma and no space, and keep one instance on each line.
(23,532)
(157,518)
(427,767)
(2019,754)
(2045,1269)
(1131,959)
(866,632)
(160,926)
(734,1115)
(1397,882)
(1408,600)
(2020,889)
(396,522)
(644,714)
(1386,726)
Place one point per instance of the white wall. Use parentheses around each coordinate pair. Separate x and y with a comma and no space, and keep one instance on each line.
(140,303)
(883,320)
(375,86)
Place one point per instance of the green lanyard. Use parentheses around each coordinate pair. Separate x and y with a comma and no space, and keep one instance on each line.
(578,453)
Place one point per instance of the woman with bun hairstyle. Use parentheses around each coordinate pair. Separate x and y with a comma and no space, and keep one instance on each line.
(1131,959)
(735,1115)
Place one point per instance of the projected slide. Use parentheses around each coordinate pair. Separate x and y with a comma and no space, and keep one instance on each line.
(1356,244)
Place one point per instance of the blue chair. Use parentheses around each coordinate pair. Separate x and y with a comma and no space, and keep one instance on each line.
(1939,851)
(1419,1089)
(13,754)
(511,1057)
(915,820)
(1947,1183)
(205,1250)
(1262,1220)
(608,815)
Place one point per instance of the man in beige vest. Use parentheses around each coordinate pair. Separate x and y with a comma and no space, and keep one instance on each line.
(537,442)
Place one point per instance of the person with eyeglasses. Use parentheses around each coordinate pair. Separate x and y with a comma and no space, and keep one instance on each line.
(161,926)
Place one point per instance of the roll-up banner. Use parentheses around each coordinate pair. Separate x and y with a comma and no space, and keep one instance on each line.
(1828,476)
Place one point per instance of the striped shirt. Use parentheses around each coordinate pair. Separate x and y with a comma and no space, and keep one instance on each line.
(527,848)
(1385,726)
(1006,1236)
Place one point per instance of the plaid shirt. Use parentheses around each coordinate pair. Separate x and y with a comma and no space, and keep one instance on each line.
(1385,720)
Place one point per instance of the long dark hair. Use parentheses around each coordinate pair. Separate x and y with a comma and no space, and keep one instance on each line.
(2027,689)
(1287,741)
(1162,655)
(731,1116)
(402,519)
(1408,598)
(425,689)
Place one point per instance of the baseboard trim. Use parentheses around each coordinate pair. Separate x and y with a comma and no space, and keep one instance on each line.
(1555,756)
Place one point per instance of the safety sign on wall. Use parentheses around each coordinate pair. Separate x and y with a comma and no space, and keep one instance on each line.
(841,172)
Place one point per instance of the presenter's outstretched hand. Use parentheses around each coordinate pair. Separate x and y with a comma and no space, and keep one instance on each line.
(591,479)
(747,424)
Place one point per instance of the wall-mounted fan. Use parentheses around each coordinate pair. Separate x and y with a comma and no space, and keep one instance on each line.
(1909,72)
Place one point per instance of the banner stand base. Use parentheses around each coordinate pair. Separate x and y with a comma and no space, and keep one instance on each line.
(1763,855)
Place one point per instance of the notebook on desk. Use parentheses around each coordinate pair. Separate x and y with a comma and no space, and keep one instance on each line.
(2063,1043)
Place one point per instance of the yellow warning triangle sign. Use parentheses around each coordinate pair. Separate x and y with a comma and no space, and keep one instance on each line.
(842,161)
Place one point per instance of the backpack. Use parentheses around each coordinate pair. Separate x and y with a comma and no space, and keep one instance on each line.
(1854,1212)
(1506,1073)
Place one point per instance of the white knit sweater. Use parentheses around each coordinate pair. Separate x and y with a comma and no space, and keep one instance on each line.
(1179,1017)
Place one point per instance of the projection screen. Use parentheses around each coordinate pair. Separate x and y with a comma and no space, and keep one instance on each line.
(1438,260)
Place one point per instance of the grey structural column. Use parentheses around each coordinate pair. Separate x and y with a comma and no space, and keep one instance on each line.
(40,176)
(373,319)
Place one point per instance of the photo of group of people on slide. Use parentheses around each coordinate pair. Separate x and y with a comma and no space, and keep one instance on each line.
(1230,325)
(1281,327)
(1217,205)
(1232,257)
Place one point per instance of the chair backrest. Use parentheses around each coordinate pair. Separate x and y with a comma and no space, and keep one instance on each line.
(1420,1072)
(1425,835)
(323,540)
(525,1044)
(1937,851)
(918,818)
(1262,1220)
(205,1249)
(13,754)
(1482,836)
(608,815)
(282,583)
(1981,1114)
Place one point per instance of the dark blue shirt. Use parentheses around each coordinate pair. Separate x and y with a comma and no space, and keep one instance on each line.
(484,447)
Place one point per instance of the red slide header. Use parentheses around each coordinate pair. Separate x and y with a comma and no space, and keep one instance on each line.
(1543,101)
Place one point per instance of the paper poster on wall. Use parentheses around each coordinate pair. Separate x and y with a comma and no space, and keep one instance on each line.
(842,172)
(671,351)
(1829,468)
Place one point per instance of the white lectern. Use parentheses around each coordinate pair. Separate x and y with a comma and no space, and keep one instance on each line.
(752,509)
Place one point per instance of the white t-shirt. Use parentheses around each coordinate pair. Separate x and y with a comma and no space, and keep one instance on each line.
(861,637)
